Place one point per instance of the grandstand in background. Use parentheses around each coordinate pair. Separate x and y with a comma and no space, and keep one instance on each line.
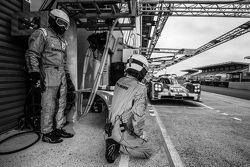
(219,74)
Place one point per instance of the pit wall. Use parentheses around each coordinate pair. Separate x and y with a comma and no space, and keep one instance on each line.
(239,85)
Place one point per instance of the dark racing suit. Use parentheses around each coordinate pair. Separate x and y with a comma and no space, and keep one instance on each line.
(129,107)
(47,55)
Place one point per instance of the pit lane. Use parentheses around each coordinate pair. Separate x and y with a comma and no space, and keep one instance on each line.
(212,133)
(176,103)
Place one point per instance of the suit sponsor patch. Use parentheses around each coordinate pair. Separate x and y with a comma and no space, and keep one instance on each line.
(122,86)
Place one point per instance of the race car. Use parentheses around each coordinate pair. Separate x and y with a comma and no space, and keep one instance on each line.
(167,87)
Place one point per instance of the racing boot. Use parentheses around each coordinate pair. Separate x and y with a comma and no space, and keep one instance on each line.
(112,150)
(51,138)
(62,133)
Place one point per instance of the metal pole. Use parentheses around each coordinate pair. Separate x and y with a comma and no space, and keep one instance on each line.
(100,70)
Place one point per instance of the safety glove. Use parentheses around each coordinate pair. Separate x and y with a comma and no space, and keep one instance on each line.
(70,84)
(35,80)
(70,94)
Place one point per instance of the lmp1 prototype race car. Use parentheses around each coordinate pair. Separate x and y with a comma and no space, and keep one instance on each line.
(167,87)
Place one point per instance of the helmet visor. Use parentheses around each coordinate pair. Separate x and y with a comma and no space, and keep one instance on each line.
(62,23)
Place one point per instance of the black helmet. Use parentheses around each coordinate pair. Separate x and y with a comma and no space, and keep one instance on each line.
(59,21)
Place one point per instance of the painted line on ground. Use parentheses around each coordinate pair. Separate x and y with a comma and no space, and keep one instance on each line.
(180,107)
(124,161)
(167,106)
(151,112)
(238,119)
(196,107)
(224,113)
(173,156)
(211,108)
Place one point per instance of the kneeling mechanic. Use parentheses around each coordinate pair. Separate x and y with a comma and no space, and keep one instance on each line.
(124,129)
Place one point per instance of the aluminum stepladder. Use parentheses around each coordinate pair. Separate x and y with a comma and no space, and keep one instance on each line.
(99,73)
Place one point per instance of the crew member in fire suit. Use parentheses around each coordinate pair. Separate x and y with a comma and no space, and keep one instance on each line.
(124,129)
(46,63)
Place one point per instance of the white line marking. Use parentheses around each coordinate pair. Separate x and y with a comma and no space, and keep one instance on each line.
(175,157)
(124,161)
(238,119)
(152,114)
(224,113)
(217,110)
(211,108)
(195,107)
(179,107)
(167,106)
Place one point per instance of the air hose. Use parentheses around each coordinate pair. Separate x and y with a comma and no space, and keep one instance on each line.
(23,148)
(22,133)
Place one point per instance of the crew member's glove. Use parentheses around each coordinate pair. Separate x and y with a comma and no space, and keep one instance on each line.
(70,93)
(70,84)
(34,78)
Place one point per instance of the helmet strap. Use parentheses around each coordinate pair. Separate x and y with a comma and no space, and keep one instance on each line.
(138,75)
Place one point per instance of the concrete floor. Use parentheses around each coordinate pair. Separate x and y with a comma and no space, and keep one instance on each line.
(85,149)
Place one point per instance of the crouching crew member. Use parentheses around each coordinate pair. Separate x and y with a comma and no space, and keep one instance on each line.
(46,62)
(124,130)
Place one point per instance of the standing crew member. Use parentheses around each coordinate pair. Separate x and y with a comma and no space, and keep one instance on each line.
(46,62)
(125,125)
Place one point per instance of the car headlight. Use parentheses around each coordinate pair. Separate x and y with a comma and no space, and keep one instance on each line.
(158,87)
(197,88)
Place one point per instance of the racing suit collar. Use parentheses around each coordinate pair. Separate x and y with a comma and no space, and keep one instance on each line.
(54,32)
(129,76)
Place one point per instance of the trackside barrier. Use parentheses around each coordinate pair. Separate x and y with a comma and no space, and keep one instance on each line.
(239,85)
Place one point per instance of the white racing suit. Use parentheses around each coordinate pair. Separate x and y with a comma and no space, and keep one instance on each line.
(47,55)
(129,106)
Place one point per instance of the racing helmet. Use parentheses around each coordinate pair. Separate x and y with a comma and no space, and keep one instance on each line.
(59,21)
(137,66)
